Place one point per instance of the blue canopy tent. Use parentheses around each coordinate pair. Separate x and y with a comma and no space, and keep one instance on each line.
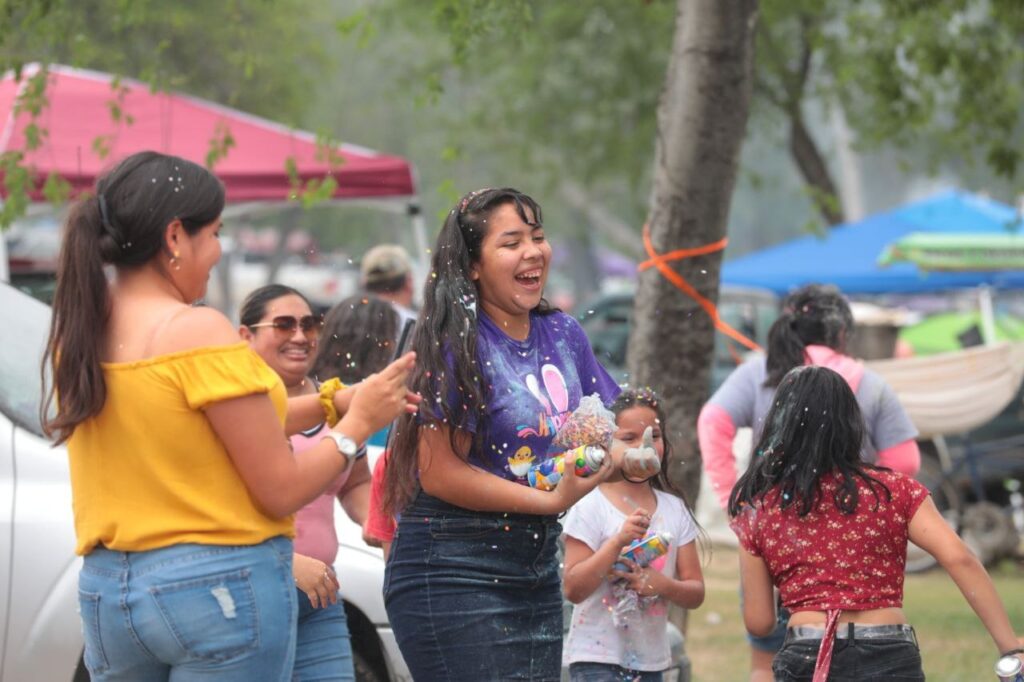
(847,256)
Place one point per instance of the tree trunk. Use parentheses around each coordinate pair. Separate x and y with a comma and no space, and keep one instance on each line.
(814,171)
(702,118)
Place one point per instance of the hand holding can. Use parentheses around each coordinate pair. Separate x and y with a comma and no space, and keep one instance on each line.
(586,460)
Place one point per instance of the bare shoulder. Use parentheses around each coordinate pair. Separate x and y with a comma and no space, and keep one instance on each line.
(195,327)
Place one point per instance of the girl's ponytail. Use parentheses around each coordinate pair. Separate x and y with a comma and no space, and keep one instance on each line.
(814,314)
(81,306)
(122,225)
(785,348)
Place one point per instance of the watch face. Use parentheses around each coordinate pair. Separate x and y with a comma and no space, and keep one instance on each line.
(346,445)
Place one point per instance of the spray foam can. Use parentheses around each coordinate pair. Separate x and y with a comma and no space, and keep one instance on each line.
(642,552)
(586,459)
(1010,669)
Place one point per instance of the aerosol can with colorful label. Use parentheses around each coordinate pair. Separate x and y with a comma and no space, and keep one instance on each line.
(586,459)
(642,552)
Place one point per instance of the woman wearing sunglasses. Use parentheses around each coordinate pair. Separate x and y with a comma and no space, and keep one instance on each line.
(278,323)
(182,477)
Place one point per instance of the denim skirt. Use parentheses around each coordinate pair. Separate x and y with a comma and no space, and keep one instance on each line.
(475,595)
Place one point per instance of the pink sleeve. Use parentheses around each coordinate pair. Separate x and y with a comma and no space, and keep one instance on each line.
(378,524)
(903,457)
(715,432)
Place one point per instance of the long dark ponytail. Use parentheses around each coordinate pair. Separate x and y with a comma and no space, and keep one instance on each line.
(813,314)
(445,339)
(123,225)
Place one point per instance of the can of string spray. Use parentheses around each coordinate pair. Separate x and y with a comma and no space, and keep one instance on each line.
(645,550)
(586,460)
(1010,669)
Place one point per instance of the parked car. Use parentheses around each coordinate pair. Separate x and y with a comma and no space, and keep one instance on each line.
(608,319)
(40,630)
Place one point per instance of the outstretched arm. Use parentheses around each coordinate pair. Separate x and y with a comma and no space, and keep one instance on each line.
(930,532)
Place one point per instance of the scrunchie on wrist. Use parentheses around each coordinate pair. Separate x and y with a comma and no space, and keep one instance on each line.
(327,391)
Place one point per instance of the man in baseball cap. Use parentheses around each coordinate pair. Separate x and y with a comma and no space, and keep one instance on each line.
(386,271)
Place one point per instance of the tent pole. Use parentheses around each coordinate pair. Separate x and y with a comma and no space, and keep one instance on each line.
(5,259)
(988,317)
(419,231)
(5,265)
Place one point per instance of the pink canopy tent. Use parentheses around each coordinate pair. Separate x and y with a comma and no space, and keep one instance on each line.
(79,111)
(78,114)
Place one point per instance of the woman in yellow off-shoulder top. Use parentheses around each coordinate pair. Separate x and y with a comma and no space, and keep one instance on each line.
(183,481)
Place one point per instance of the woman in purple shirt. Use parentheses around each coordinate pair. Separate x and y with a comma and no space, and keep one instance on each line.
(472,587)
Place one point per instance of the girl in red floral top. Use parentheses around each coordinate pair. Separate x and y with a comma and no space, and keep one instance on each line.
(831,531)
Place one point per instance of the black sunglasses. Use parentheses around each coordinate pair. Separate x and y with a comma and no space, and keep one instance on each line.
(309,324)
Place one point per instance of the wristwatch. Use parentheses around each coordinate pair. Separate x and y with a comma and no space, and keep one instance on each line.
(346,446)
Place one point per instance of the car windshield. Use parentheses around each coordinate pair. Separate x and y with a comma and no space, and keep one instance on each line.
(25,322)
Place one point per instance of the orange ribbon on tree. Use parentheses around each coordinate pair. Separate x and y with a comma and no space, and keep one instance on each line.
(660,261)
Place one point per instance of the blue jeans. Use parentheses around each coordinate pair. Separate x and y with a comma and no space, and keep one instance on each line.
(323,650)
(475,595)
(191,612)
(862,660)
(606,672)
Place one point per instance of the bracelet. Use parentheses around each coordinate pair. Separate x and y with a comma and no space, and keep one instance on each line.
(1014,652)
(327,391)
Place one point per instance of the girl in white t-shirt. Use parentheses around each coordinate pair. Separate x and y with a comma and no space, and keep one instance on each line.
(619,623)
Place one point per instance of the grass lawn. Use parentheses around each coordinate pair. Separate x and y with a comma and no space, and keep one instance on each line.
(954,645)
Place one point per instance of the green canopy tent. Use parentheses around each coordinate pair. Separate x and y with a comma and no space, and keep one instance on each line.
(962,252)
(952,252)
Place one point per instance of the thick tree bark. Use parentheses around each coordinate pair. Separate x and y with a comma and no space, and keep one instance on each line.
(814,171)
(702,120)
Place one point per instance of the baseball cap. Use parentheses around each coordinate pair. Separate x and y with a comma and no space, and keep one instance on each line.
(385,262)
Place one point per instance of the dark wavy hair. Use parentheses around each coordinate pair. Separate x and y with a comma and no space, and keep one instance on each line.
(814,428)
(445,339)
(123,224)
(358,339)
(812,315)
(254,307)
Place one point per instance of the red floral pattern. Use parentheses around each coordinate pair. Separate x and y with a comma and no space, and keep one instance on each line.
(831,560)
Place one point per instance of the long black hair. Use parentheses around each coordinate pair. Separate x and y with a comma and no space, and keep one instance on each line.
(813,429)
(812,315)
(446,336)
(357,340)
(123,224)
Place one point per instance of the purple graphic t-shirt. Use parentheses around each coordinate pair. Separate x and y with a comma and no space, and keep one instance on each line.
(533,386)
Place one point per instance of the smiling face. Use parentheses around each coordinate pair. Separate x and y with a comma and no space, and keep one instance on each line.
(631,423)
(513,266)
(289,353)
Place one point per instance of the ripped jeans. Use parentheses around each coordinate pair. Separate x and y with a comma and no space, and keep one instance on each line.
(191,612)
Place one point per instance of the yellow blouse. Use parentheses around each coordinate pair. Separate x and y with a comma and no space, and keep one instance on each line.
(149,471)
